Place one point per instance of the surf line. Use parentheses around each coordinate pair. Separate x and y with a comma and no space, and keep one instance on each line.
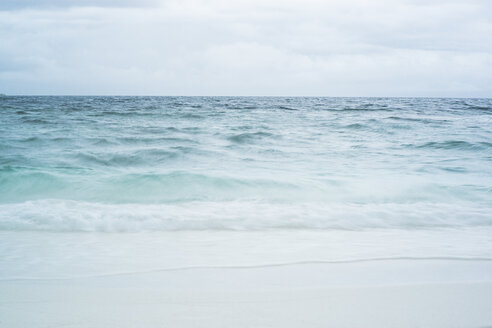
(256,266)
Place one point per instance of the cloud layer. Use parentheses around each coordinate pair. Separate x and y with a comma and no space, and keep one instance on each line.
(216,47)
(30,4)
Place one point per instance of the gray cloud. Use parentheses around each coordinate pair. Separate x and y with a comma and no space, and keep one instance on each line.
(216,47)
(33,4)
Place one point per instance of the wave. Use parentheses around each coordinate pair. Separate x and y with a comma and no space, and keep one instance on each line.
(287,108)
(192,116)
(424,120)
(478,107)
(177,186)
(355,126)
(136,158)
(244,138)
(456,144)
(364,107)
(117,184)
(153,140)
(38,140)
(69,216)
(36,121)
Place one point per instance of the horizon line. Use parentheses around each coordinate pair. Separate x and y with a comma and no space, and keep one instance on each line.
(237,96)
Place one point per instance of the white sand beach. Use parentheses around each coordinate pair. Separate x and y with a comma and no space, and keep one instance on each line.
(225,284)
(399,293)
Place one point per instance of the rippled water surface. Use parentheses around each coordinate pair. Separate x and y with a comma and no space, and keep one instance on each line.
(115,164)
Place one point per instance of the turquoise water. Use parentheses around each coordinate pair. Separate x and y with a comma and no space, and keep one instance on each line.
(126,164)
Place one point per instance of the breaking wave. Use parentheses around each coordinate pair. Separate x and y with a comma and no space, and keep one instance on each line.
(70,216)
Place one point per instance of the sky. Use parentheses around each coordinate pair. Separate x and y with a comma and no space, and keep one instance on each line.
(432,48)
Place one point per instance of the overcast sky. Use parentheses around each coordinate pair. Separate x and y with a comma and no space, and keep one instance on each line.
(247,47)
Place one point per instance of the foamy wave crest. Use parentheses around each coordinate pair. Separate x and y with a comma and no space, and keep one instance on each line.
(66,216)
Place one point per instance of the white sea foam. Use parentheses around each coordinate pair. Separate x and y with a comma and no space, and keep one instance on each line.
(62,215)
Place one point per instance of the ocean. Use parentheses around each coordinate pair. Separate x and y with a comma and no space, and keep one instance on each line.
(106,185)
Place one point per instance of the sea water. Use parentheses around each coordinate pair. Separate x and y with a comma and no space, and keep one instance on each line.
(97,185)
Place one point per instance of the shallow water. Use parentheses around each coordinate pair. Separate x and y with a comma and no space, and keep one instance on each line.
(116,165)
